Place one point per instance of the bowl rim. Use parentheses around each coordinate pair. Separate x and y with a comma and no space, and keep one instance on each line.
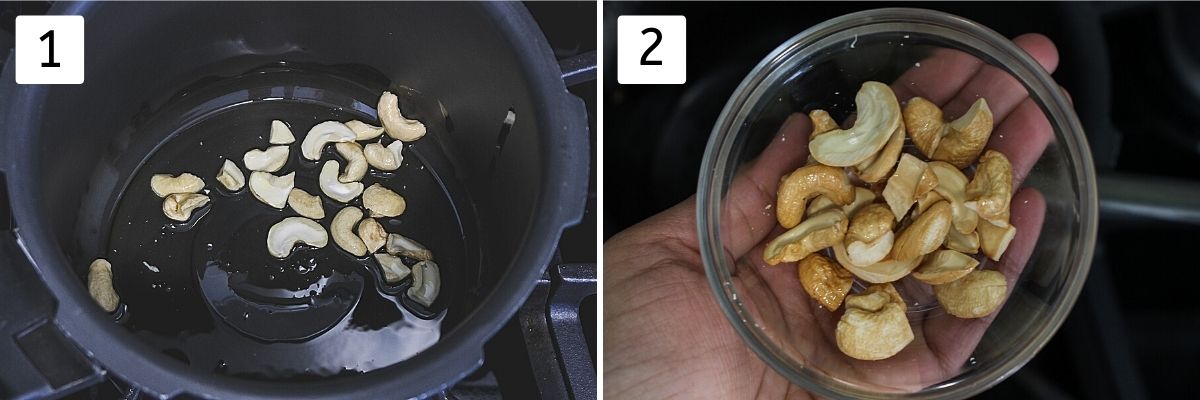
(714,180)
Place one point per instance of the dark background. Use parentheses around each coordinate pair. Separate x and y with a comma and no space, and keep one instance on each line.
(1133,70)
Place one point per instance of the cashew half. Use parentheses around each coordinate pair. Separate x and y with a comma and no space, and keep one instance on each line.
(805,182)
(281,133)
(270,189)
(179,206)
(393,268)
(994,240)
(372,234)
(163,184)
(958,142)
(305,204)
(944,266)
(925,234)
(283,236)
(862,197)
(100,285)
(815,233)
(394,122)
(342,230)
(878,118)
(978,294)
(384,158)
(882,163)
(869,236)
(363,130)
(888,270)
(824,280)
(963,242)
(399,245)
(874,326)
(269,160)
(322,134)
(951,185)
(334,188)
(902,186)
(426,283)
(990,192)
(230,176)
(356,163)
(383,202)
(925,125)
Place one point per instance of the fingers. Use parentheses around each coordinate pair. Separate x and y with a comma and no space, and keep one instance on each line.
(1002,91)
(1022,137)
(937,78)
(954,339)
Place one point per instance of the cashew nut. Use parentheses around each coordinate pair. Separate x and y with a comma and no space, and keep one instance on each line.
(990,192)
(342,230)
(372,234)
(926,233)
(869,253)
(994,240)
(824,280)
(902,186)
(179,206)
(384,158)
(878,118)
(231,176)
(888,270)
(383,202)
(426,283)
(862,197)
(363,130)
(305,204)
(283,236)
(963,242)
(394,122)
(973,296)
(869,236)
(805,182)
(100,285)
(951,185)
(929,199)
(163,184)
(882,163)
(393,268)
(958,142)
(271,189)
(944,266)
(399,245)
(926,184)
(281,134)
(334,188)
(821,123)
(322,134)
(815,233)
(874,326)
(269,160)
(356,163)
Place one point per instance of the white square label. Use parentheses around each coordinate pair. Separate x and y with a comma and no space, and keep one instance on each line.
(49,49)
(651,49)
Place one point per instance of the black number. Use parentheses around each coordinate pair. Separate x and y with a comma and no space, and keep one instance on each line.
(657,39)
(50,35)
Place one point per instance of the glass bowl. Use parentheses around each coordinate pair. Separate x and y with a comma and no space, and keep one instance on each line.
(823,67)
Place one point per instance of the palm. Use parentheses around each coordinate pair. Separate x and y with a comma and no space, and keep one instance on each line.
(665,335)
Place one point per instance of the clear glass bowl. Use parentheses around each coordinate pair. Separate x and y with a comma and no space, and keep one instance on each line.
(823,68)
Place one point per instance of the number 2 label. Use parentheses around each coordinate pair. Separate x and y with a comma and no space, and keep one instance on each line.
(651,49)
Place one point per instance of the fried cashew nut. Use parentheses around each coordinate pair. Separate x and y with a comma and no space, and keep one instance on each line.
(382,202)
(356,163)
(806,182)
(163,184)
(100,285)
(975,295)
(990,192)
(925,234)
(824,280)
(815,233)
(400,245)
(305,204)
(878,118)
(372,234)
(869,236)
(901,187)
(384,158)
(888,270)
(952,186)
(944,266)
(874,326)
(958,142)
(394,122)
(341,228)
(994,240)
(179,206)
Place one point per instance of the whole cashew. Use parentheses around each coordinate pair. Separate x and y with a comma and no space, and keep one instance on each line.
(394,122)
(869,237)
(356,163)
(882,163)
(994,240)
(283,236)
(179,206)
(878,118)
(824,280)
(270,189)
(363,130)
(925,234)
(990,192)
(874,326)
(888,270)
(334,188)
(384,158)
(944,266)
(163,184)
(372,234)
(815,233)
(805,182)
(383,202)
(958,142)
(100,285)
(269,160)
(975,295)
(322,134)
(341,228)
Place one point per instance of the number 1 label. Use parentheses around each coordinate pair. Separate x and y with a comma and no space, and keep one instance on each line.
(651,49)
(49,49)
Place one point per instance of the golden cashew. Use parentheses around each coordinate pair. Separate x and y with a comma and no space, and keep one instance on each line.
(926,233)
(994,240)
(952,186)
(230,176)
(902,186)
(815,233)
(356,162)
(874,326)
(382,202)
(821,123)
(966,136)
(882,163)
(100,285)
(926,184)
(978,294)
(923,120)
(305,204)
(396,125)
(340,229)
(869,237)
(372,234)
(384,158)
(805,182)
(824,280)
(870,253)
(990,192)
(862,197)
(179,206)
(885,271)
(878,118)
(927,200)
(964,243)
(163,184)
(944,266)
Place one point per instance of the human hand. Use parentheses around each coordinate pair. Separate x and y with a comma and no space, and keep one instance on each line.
(665,336)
